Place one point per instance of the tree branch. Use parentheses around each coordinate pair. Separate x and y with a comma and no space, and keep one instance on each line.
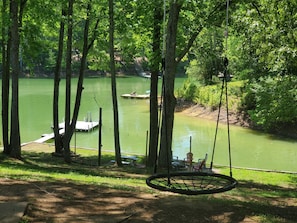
(193,37)
(259,12)
(94,35)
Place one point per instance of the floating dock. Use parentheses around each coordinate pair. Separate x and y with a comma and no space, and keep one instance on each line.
(81,126)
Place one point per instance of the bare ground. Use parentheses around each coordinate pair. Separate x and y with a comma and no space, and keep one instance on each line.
(195,110)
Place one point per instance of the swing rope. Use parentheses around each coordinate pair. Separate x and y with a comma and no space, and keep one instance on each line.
(225,80)
(227,77)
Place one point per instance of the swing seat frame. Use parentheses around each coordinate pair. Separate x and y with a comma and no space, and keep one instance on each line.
(192,183)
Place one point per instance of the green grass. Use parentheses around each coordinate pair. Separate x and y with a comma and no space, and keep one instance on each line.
(44,166)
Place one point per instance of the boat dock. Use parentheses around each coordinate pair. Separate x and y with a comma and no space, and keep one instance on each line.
(81,126)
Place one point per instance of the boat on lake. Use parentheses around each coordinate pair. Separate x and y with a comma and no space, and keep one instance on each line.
(134,95)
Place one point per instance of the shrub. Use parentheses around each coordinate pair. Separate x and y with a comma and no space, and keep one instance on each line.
(188,90)
(209,96)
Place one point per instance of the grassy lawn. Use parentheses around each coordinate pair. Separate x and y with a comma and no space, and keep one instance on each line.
(44,166)
(256,190)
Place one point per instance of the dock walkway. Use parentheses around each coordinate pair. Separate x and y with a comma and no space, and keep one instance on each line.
(46,137)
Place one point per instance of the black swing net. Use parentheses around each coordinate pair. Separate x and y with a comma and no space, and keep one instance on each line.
(198,182)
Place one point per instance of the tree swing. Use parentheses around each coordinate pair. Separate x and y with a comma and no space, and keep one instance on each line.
(195,183)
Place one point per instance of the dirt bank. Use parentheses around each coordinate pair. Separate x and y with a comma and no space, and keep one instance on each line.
(199,111)
(285,130)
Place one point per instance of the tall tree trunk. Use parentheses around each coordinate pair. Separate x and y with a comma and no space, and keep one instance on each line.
(5,42)
(155,68)
(58,138)
(165,155)
(66,142)
(15,141)
(113,86)
(69,134)
(71,128)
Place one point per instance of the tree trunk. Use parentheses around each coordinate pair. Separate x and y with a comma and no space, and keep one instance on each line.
(155,68)
(165,155)
(5,42)
(15,141)
(58,138)
(113,86)
(66,142)
(80,88)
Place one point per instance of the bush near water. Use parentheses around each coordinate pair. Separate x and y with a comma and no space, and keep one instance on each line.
(267,104)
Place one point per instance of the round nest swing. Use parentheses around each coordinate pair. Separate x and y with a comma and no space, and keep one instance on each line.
(191,183)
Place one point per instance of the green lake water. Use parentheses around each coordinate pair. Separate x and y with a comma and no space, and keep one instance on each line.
(249,148)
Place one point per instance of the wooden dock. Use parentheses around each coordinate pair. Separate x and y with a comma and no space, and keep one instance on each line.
(81,126)
(46,137)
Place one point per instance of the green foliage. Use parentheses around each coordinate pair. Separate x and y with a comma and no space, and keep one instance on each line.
(188,90)
(265,32)
(275,101)
(207,52)
(209,96)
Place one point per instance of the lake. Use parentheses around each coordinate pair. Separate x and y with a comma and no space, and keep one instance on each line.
(249,148)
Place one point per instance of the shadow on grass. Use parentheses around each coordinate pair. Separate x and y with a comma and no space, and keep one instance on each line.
(70,202)
(251,189)
(45,163)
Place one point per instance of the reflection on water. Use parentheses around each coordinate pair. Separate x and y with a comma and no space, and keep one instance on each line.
(249,148)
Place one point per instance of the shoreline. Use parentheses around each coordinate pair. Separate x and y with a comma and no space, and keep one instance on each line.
(195,110)
(236,119)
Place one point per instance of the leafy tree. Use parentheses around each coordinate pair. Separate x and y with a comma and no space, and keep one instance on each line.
(113,85)
(5,43)
(275,99)
(70,121)
(165,155)
(68,127)
(155,68)
(178,32)
(11,64)
(267,36)
(208,52)
(58,136)
(39,33)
